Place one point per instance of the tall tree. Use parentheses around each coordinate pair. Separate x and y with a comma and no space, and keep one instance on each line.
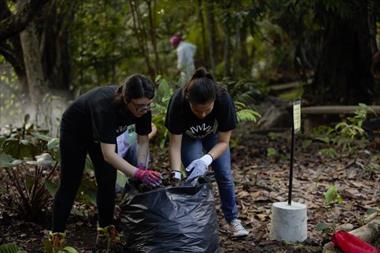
(141,34)
(203,32)
(40,54)
(11,25)
(151,4)
(33,64)
(211,33)
(343,73)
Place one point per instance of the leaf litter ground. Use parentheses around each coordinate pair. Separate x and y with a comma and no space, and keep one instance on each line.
(261,178)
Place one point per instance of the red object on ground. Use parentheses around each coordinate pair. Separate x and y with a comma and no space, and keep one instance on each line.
(349,243)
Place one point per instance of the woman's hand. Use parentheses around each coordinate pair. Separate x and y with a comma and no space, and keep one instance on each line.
(149,177)
(198,167)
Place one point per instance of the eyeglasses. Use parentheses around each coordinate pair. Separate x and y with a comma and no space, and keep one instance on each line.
(141,107)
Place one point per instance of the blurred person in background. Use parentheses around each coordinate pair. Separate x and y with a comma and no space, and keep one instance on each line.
(185,58)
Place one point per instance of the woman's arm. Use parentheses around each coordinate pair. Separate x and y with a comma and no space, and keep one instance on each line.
(221,146)
(175,151)
(154,131)
(142,150)
(111,157)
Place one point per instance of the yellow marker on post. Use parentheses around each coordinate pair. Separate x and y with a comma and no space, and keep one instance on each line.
(297,116)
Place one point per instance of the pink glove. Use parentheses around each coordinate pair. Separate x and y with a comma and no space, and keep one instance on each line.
(149,177)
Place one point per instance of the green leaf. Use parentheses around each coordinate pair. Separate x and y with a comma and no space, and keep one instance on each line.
(324,139)
(51,187)
(329,152)
(10,248)
(53,144)
(7,161)
(121,179)
(271,152)
(306,143)
(332,196)
(247,115)
(40,136)
(29,182)
(87,191)
(2,140)
(69,249)
(321,226)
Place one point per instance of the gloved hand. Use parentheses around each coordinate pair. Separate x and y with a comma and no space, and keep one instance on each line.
(176,175)
(198,167)
(149,177)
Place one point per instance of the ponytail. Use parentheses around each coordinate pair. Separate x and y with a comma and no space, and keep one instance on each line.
(201,88)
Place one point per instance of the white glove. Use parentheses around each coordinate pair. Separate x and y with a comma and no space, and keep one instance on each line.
(176,175)
(198,167)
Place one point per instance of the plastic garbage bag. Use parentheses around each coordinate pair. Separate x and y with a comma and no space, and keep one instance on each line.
(171,219)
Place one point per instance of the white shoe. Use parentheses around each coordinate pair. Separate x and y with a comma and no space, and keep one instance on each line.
(237,229)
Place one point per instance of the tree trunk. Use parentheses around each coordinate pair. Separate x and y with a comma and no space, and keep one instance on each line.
(226,37)
(54,44)
(14,24)
(12,53)
(372,24)
(226,51)
(49,41)
(11,50)
(33,65)
(243,56)
(203,29)
(139,31)
(211,34)
(343,74)
(152,33)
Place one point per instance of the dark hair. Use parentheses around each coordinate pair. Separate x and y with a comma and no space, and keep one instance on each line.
(135,86)
(201,88)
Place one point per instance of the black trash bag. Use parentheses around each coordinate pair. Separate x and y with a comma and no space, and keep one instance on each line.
(171,219)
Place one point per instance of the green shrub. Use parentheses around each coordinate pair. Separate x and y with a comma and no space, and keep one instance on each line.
(162,98)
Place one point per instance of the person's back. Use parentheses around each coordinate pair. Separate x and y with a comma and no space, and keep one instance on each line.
(185,58)
(185,53)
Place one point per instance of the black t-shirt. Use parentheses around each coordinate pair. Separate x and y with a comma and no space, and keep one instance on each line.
(96,115)
(181,120)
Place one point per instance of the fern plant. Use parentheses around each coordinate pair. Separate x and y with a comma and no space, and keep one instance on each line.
(351,128)
(10,248)
(245,113)
(342,134)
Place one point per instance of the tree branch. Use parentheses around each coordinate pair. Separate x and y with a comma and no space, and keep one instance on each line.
(14,24)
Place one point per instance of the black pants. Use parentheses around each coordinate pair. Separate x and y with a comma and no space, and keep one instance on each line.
(73,150)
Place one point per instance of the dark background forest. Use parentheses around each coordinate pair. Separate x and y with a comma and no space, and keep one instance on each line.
(75,45)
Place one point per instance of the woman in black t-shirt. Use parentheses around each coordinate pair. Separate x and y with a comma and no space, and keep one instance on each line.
(90,125)
(201,117)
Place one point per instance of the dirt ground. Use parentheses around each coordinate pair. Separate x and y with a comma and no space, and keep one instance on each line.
(261,179)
